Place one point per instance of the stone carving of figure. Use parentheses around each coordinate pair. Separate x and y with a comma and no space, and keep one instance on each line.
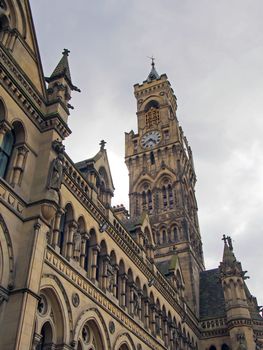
(110,278)
(77,245)
(56,173)
(241,340)
(136,302)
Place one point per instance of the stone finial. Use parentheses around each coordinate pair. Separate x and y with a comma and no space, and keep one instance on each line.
(102,144)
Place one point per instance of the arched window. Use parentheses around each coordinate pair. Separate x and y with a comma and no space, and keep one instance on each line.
(62,227)
(47,336)
(143,198)
(164,236)
(86,259)
(6,152)
(224,347)
(150,203)
(212,347)
(170,195)
(152,158)
(175,234)
(164,197)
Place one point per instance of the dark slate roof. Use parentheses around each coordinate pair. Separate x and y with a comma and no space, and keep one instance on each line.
(165,267)
(131,224)
(63,67)
(153,74)
(212,302)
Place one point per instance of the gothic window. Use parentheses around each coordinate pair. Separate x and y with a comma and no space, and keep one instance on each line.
(86,259)
(144,198)
(164,236)
(47,336)
(150,204)
(62,228)
(6,152)
(175,234)
(164,197)
(170,195)
(224,347)
(152,158)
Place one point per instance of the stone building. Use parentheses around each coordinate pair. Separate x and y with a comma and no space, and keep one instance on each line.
(77,273)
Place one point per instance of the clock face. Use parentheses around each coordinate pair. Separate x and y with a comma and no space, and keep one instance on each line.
(150,139)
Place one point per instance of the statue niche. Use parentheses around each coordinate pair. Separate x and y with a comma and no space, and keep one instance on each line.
(57,168)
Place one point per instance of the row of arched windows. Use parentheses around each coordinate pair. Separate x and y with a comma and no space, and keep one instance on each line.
(111,275)
(165,198)
(166,235)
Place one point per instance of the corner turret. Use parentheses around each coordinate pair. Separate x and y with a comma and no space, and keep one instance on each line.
(239,319)
(60,87)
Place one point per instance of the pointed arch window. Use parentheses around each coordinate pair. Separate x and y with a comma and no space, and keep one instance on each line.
(164,236)
(152,158)
(143,198)
(6,152)
(150,203)
(62,228)
(164,197)
(170,195)
(175,234)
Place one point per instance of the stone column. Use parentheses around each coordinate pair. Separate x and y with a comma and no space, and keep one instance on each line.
(153,318)
(104,277)
(131,298)
(165,330)
(140,295)
(71,231)
(19,165)
(55,237)
(83,251)
(36,341)
(115,271)
(146,312)
(124,278)
(95,251)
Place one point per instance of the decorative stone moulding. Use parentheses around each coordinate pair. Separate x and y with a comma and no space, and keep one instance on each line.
(75,299)
(48,211)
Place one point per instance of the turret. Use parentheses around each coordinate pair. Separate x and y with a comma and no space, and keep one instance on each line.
(60,87)
(237,308)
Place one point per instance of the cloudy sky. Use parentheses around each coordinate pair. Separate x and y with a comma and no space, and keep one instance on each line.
(212,52)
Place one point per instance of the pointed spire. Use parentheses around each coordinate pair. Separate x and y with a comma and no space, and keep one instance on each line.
(153,73)
(63,67)
(229,265)
(62,70)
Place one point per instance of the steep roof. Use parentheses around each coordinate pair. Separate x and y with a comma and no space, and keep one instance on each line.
(63,67)
(212,302)
(153,75)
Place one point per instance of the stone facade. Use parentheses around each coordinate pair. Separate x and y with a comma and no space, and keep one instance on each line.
(77,273)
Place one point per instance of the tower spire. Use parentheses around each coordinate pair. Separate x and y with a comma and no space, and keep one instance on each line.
(153,73)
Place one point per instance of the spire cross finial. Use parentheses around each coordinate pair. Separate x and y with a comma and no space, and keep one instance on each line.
(102,144)
(65,52)
(224,238)
(152,58)
(227,240)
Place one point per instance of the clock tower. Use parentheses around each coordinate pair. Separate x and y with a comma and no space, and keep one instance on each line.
(162,181)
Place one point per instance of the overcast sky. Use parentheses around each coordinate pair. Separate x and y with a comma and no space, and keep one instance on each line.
(212,52)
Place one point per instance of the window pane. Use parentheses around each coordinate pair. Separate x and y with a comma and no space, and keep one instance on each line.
(3,163)
(8,143)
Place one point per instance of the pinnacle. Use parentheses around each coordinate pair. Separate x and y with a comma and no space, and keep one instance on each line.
(153,73)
